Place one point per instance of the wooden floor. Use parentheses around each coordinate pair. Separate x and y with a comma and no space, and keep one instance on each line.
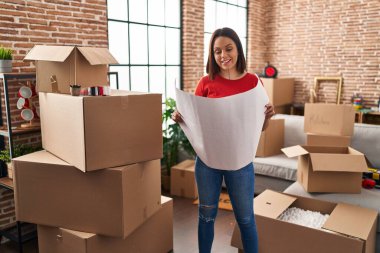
(185,231)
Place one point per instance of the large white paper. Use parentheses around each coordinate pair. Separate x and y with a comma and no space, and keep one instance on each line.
(224,132)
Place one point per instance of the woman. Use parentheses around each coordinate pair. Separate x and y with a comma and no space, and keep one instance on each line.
(227,75)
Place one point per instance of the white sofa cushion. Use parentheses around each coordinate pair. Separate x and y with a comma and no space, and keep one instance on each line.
(276,166)
(294,134)
(366,139)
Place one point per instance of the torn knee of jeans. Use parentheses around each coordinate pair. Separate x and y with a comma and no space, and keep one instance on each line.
(207,213)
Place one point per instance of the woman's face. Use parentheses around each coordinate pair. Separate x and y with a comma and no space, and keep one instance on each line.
(225,53)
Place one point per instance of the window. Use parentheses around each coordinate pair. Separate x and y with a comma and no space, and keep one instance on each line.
(227,13)
(145,36)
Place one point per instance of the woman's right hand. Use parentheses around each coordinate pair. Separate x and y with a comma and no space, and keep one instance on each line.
(176,117)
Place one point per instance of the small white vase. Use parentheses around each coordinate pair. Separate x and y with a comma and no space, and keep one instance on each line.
(5,66)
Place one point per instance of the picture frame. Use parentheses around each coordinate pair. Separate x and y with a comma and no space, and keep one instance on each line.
(338,80)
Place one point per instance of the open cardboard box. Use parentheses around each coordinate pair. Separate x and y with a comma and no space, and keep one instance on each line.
(94,133)
(182,180)
(58,67)
(329,119)
(349,229)
(328,169)
(154,235)
(113,202)
(272,139)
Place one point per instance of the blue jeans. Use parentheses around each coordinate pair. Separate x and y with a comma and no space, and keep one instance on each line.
(240,186)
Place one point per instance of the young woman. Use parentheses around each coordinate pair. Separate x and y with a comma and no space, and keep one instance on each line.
(227,75)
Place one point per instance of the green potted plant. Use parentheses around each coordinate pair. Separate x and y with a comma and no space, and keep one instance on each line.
(18,150)
(175,142)
(5,60)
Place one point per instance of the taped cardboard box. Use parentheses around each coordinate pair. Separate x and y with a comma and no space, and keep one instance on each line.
(93,133)
(328,169)
(113,202)
(58,67)
(329,119)
(327,140)
(272,139)
(154,235)
(182,180)
(280,90)
(349,229)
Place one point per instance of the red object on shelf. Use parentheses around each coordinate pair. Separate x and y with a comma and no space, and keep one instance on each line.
(368,183)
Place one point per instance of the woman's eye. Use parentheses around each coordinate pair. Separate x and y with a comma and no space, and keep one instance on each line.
(217,52)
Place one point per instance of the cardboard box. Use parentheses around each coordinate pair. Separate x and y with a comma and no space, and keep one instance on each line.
(349,229)
(283,109)
(328,169)
(272,139)
(93,133)
(113,202)
(58,67)
(329,119)
(327,140)
(155,235)
(182,180)
(280,90)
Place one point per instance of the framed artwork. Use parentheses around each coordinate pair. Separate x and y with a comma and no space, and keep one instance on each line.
(338,80)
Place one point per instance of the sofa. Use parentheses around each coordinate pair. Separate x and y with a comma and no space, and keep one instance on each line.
(279,172)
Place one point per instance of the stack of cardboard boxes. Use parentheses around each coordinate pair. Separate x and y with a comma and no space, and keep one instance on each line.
(96,186)
(325,164)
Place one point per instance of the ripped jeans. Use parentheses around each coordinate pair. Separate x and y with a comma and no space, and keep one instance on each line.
(240,186)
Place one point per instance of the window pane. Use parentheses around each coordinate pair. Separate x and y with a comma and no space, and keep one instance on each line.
(118,41)
(242,21)
(232,17)
(123,73)
(139,79)
(157,80)
(138,40)
(210,19)
(233,1)
(117,9)
(172,81)
(172,46)
(172,13)
(221,14)
(156,12)
(207,38)
(138,11)
(156,45)
(242,3)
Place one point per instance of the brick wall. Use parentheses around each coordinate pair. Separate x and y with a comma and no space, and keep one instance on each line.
(192,43)
(24,24)
(326,38)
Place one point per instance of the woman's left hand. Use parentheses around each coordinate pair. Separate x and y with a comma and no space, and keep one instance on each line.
(269,112)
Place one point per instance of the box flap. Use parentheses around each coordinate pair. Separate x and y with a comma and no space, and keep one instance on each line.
(294,151)
(338,162)
(271,204)
(97,56)
(49,53)
(351,220)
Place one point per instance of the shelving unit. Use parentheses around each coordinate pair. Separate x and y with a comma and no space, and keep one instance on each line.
(19,232)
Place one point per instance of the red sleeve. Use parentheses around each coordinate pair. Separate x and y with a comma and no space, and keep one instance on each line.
(199,91)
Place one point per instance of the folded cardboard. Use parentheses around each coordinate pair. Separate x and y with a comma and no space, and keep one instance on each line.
(327,140)
(280,90)
(183,180)
(329,119)
(272,139)
(58,67)
(155,235)
(113,202)
(349,228)
(93,133)
(328,169)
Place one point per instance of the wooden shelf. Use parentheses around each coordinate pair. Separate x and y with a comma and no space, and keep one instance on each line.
(6,182)
(19,130)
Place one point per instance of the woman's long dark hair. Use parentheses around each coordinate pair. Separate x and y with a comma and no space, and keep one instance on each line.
(212,67)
